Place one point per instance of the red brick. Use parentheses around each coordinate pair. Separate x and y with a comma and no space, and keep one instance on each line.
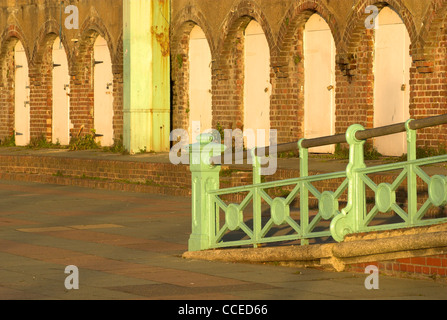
(436,262)
(418,261)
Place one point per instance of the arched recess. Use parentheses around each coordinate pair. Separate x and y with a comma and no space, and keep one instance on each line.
(229,67)
(257,87)
(103,93)
(9,39)
(319,83)
(61,124)
(182,25)
(392,63)
(21,96)
(200,84)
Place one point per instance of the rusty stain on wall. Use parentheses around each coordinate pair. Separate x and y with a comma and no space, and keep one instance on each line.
(162,39)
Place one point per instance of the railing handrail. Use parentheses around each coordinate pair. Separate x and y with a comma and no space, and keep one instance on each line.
(339,138)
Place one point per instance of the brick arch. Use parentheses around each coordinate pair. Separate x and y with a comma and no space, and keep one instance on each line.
(8,39)
(11,35)
(287,107)
(82,66)
(356,33)
(355,64)
(181,29)
(89,31)
(48,32)
(239,18)
(296,17)
(356,21)
(433,25)
(41,91)
(228,69)
(184,22)
(82,82)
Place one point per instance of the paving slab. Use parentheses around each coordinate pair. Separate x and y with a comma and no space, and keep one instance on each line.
(129,246)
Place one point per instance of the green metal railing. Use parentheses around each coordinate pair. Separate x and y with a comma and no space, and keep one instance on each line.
(218,224)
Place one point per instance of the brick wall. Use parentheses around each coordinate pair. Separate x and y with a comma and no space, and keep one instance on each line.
(82,87)
(355,85)
(429,88)
(283,26)
(37,27)
(282,22)
(41,94)
(434,266)
(114,175)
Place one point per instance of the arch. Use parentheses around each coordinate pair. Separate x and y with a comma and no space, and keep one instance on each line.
(239,18)
(181,27)
(319,83)
(61,124)
(98,68)
(184,22)
(288,97)
(392,63)
(356,21)
(47,34)
(22,106)
(257,87)
(11,37)
(103,93)
(297,16)
(91,28)
(200,84)
(229,66)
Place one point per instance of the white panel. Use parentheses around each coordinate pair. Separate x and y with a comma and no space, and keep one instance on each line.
(103,78)
(257,87)
(200,79)
(319,89)
(61,98)
(391,94)
(22,97)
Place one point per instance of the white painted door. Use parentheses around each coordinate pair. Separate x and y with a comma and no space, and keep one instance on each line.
(392,85)
(22,97)
(200,77)
(319,88)
(257,87)
(103,114)
(61,95)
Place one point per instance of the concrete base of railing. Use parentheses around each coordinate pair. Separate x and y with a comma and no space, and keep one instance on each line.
(357,249)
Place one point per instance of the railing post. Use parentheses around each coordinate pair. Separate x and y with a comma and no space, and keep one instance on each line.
(411,175)
(304,192)
(205,177)
(257,208)
(351,218)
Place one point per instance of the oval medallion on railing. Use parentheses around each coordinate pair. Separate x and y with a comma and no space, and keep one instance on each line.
(280,211)
(385,197)
(328,205)
(437,190)
(233,217)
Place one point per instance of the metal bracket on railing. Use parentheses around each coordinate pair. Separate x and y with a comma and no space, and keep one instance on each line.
(347,221)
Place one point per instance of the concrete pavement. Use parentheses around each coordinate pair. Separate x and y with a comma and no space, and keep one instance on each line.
(128,246)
